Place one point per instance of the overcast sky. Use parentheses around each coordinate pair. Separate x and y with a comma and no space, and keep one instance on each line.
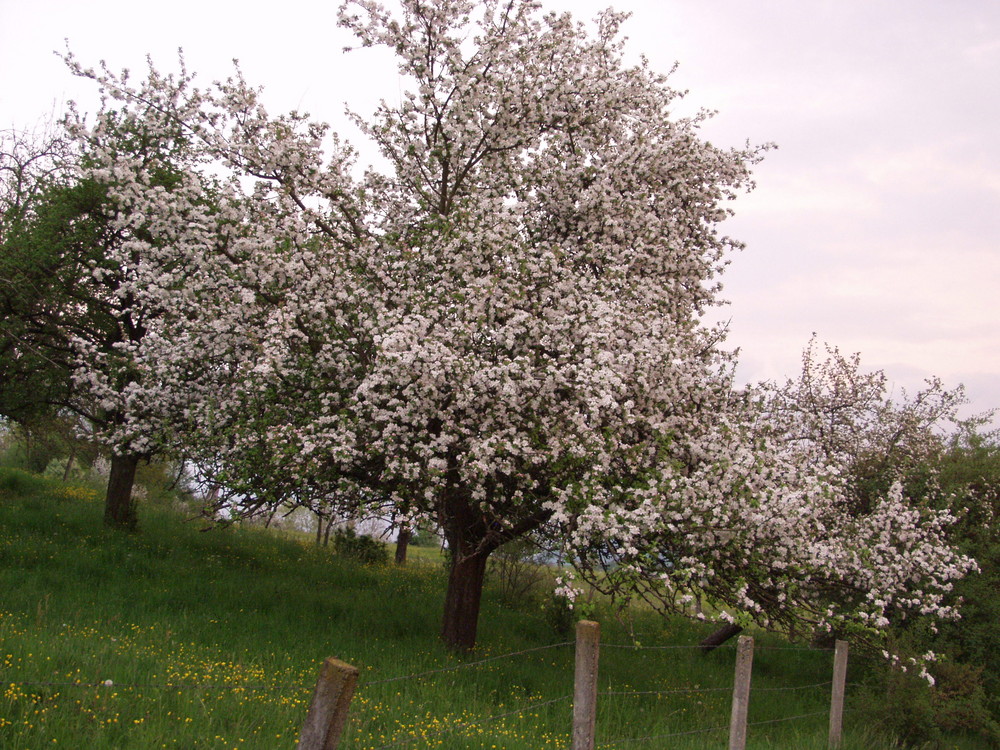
(875,224)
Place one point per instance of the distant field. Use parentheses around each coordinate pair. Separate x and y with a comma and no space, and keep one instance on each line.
(181,637)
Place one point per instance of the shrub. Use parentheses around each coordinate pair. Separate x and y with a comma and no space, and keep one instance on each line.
(959,701)
(364,549)
(20,482)
(558,615)
(907,706)
(515,570)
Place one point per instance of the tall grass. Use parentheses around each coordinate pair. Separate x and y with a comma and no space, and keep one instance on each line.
(178,636)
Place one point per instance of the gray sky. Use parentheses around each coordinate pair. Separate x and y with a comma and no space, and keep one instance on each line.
(876,223)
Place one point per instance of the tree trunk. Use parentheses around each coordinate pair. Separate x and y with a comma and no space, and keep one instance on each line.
(466,530)
(461,603)
(69,462)
(719,637)
(472,536)
(402,542)
(34,454)
(119,507)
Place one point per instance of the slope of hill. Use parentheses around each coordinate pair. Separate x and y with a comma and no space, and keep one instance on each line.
(182,637)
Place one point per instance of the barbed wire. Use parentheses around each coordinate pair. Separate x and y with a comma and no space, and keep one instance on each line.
(727,688)
(452,668)
(155,686)
(224,686)
(726,646)
(792,687)
(668,691)
(628,740)
(788,718)
(464,724)
(640,647)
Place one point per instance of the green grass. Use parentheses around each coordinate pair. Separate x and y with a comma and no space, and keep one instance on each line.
(213,639)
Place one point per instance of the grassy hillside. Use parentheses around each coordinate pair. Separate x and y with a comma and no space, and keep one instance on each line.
(181,637)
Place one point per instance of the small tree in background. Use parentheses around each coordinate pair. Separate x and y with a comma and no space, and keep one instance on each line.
(820,492)
(75,321)
(837,414)
(32,380)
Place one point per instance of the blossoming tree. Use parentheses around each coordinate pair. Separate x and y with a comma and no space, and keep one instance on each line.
(812,509)
(504,332)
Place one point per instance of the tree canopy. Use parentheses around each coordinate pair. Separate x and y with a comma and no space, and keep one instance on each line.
(502,333)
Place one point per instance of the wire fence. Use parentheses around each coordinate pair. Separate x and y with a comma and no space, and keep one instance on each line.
(608,696)
(532,705)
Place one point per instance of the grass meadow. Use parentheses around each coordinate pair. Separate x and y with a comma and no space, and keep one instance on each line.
(181,637)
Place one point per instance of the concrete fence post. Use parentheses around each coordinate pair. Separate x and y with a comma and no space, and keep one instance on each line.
(588,636)
(741,694)
(837,694)
(327,714)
